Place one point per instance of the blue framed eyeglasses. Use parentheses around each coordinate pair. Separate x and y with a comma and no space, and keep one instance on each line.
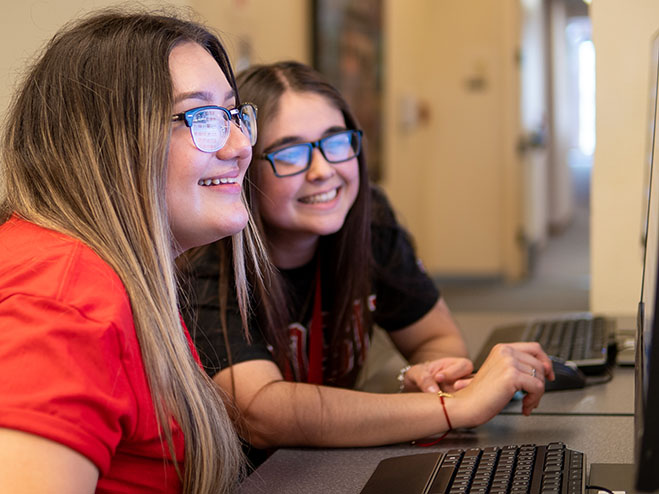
(210,126)
(296,158)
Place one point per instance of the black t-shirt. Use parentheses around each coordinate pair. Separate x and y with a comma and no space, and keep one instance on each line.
(402,293)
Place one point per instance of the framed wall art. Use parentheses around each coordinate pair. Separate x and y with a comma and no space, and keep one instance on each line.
(347,49)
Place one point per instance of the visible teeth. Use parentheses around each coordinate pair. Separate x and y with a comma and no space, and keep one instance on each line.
(217,181)
(325,197)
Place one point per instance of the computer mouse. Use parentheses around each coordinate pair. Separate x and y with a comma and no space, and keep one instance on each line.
(568,376)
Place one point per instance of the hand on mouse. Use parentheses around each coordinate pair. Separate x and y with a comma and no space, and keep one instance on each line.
(446,371)
(508,368)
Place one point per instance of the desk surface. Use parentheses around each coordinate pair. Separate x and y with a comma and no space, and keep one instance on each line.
(596,420)
(346,470)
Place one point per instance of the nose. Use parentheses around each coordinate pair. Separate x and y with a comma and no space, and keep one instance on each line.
(237,146)
(319,168)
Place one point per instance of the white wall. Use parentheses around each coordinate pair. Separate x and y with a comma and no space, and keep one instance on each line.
(534,114)
(621,33)
(561,194)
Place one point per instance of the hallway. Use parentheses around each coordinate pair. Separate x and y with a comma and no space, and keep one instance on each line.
(560,282)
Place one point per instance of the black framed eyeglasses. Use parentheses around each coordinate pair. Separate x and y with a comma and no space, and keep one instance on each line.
(210,126)
(296,158)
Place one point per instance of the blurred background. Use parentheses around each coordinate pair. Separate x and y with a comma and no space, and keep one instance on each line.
(512,136)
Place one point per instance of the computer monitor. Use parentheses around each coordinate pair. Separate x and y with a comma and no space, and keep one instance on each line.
(643,475)
(646,406)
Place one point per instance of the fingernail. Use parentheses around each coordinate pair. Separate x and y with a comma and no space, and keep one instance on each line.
(433,389)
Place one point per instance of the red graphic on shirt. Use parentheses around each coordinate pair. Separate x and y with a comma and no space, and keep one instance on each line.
(353,349)
(298,335)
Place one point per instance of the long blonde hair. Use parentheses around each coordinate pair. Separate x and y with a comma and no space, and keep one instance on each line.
(85,152)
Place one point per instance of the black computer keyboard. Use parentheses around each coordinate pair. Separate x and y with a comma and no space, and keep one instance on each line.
(584,341)
(514,469)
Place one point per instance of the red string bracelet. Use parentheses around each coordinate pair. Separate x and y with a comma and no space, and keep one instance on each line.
(441,395)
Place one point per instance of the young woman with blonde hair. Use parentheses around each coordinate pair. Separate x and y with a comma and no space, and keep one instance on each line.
(125,146)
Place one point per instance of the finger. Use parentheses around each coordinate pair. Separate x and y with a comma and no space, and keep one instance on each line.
(456,370)
(428,383)
(534,349)
(534,390)
(530,403)
(461,383)
(421,378)
(550,371)
(535,372)
(533,366)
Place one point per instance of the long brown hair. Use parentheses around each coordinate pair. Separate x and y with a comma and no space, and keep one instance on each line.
(85,152)
(346,254)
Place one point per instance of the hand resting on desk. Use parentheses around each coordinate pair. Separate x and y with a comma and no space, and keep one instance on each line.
(449,372)
(525,368)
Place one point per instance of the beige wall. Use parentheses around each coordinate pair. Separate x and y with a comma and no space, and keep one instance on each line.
(273,30)
(449,178)
(431,187)
(457,233)
(26,25)
(621,32)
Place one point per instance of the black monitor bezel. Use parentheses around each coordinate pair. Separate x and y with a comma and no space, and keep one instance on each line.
(646,403)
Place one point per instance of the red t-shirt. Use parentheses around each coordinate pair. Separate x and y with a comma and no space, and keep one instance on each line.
(70,363)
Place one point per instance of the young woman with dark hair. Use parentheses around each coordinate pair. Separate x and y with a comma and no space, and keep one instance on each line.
(342,263)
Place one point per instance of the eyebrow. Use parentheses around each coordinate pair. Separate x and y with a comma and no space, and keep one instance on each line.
(286,140)
(202,95)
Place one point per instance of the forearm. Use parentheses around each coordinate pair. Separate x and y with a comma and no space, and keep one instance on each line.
(297,414)
(449,345)
(434,336)
(278,413)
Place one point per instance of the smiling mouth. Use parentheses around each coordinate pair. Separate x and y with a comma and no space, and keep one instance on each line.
(320,198)
(217,181)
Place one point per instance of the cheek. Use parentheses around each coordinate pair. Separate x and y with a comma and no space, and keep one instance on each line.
(351,177)
(177,161)
(276,200)
(275,190)
(180,192)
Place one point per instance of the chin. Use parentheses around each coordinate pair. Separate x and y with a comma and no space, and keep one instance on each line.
(231,225)
(328,229)
(223,226)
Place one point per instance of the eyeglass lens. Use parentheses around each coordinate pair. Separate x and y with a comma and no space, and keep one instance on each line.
(339,147)
(211,127)
(247,121)
(335,148)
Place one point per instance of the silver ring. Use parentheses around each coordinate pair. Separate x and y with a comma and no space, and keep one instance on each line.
(533,372)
